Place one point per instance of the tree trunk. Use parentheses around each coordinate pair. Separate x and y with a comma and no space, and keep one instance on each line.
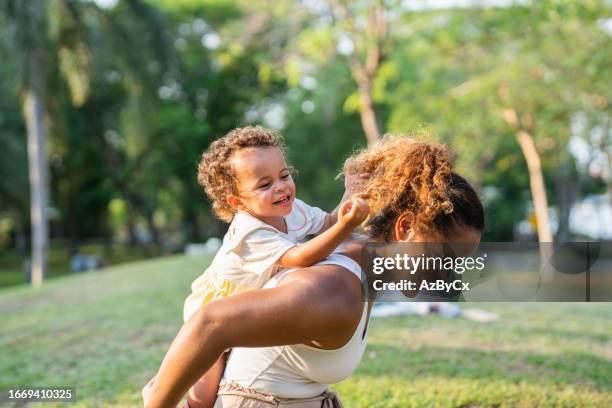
(37,158)
(131,224)
(367,114)
(540,202)
(364,71)
(537,186)
(154,232)
(21,236)
(536,182)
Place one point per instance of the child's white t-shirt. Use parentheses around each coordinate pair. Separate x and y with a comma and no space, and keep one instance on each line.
(250,250)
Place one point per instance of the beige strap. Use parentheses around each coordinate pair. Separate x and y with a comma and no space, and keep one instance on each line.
(231,388)
(329,399)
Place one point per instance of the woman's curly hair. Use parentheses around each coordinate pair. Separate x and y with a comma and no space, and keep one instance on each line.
(409,176)
(215,171)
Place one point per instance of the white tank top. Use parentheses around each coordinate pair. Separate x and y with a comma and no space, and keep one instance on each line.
(299,371)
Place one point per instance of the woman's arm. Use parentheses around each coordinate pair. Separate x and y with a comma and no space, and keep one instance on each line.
(321,304)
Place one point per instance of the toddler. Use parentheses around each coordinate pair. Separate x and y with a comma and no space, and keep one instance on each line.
(250,185)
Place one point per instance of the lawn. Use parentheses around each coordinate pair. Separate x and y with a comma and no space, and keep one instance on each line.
(106,332)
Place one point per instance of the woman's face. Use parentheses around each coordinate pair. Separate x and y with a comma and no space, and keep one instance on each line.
(466,237)
(461,242)
(403,232)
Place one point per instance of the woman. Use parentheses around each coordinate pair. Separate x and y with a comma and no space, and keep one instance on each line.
(319,311)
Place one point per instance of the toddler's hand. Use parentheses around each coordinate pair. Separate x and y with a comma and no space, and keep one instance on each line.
(146,391)
(353,212)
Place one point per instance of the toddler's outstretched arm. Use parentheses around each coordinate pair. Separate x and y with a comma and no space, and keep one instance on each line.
(350,215)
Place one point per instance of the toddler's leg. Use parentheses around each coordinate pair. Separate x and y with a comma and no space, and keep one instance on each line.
(203,394)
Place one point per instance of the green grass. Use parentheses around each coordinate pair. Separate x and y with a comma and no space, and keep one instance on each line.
(106,332)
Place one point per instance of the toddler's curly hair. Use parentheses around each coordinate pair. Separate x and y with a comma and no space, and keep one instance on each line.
(215,171)
(414,177)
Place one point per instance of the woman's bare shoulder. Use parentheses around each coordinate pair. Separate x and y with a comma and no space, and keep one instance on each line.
(323,275)
(350,248)
(353,248)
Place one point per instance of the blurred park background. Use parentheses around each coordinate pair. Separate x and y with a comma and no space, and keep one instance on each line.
(107,105)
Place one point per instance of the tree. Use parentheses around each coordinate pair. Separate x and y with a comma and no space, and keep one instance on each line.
(49,40)
(368,53)
(530,74)
(29,20)
(478,76)
(13,166)
(312,35)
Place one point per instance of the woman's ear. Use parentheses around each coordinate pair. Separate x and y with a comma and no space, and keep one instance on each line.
(235,202)
(403,227)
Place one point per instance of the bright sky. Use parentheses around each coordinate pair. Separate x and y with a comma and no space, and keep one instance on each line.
(106,3)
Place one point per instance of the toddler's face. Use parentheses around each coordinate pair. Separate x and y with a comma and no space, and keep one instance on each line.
(265,186)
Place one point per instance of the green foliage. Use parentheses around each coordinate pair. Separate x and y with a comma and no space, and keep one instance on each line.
(460,71)
(316,44)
